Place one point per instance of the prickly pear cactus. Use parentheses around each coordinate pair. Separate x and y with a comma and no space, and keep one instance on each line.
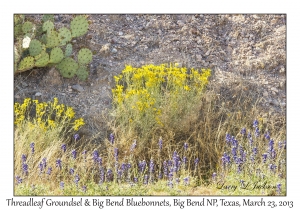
(48,26)
(82,72)
(27,27)
(35,47)
(56,55)
(52,39)
(84,56)
(64,35)
(42,60)
(43,45)
(26,63)
(79,26)
(68,51)
(68,67)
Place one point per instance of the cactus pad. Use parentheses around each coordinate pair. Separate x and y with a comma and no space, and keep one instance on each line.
(48,26)
(18,30)
(26,63)
(82,72)
(52,39)
(18,19)
(68,51)
(27,27)
(79,26)
(43,60)
(65,35)
(68,67)
(56,55)
(84,56)
(35,47)
(47,17)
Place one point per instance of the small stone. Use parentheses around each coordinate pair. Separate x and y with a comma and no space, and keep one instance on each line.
(274,89)
(199,57)
(283,104)
(120,33)
(114,50)
(265,94)
(17,96)
(77,88)
(24,84)
(180,22)
(38,94)
(282,84)
(282,70)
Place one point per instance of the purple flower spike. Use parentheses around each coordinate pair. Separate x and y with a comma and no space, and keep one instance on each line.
(151,166)
(76,137)
(116,154)
(133,146)
(257,132)
(77,179)
(160,143)
(62,185)
(278,186)
(58,163)
(19,179)
(41,166)
(214,175)
(24,158)
(112,138)
(267,136)
(44,160)
(243,131)
(186,180)
(185,146)
(64,147)
(265,155)
(25,168)
(95,156)
(72,171)
(74,153)
(135,179)
(32,147)
(84,189)
(228,138)
(255,123)
(49,171)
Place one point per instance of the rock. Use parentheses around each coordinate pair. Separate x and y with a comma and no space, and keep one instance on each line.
(282,85)
(24,83)
(77,88)
(120,33)
(105,48)
(282,70)
(274,89)
(38,94)
(265,94)
(199,57)
(180,23)
(114,50)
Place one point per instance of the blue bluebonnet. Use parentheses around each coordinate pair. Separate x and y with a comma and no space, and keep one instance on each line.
(74,154)
(186,180)
(170,163)
(249,135)
(32,147)
(71,171)
(146,179)
(109,175)
(256,132)
(84,154)
(165,168)
(84,188)
(135,179)
(271,145)
(58,163)
(151,166)
(177,180)
(228,138)
(176,161)
(102,175)
(282,144)
(95,156)
(242,183)
(255,123)
(24,158)
(76,179)
(120,173)
(160,175)
(255,150)
(239,168)
(116,153)
(185,146)
(99,161)
(234,141)
(267,135)
(250,141)
(44,160)
(243,131)
(133,146)
(225,159)
(184,159)
(272,167)
(214,176)
(170,183)
(49,171)
(234,151)
(25,168)
(278,188)
(170,175)
(19,179)
(196,162)
(244,155)
(76,137)
(41,166)
(112,138)
(273,154)
(64,147)
(160,143)
(265,155)
(142,166)
(62,185)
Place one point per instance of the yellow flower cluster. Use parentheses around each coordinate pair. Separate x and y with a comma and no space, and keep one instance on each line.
(148,86)
(48,115)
